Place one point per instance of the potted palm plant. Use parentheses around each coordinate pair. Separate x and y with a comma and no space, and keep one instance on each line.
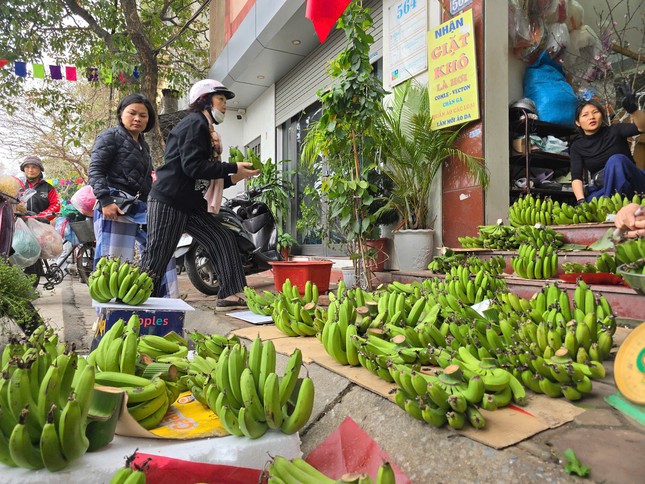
(413,154)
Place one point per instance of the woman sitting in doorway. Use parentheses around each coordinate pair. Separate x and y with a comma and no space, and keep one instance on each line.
(604,152)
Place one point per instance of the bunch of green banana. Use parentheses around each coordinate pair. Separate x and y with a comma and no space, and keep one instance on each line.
(113,279)
(483,285)
(437,400)
(534,263)
(148,400)
(117,349)
(538,235)
(261,304)
(293,318)
(128,475)
(44,401)
(559,375)
(299,470)
(630,251)
(604,263)
(211,345)
(162,346)
(529,210)
(501,386)
(443,263)
(498,236)
(469,242)
(249,397)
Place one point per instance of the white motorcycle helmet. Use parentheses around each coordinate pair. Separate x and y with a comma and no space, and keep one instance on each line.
(208,86)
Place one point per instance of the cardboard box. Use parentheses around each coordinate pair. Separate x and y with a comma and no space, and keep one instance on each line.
(158,316)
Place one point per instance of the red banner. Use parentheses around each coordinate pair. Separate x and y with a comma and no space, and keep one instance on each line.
(324,14)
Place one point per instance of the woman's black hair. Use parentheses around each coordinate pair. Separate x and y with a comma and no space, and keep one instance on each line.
(137,99)
(202,102)
(594,103)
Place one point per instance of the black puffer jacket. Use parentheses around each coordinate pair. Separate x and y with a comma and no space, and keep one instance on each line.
(117,161)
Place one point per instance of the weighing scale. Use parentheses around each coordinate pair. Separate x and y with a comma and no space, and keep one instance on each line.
(629,366)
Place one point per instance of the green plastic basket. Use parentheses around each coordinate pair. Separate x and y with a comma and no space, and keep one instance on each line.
(635,281)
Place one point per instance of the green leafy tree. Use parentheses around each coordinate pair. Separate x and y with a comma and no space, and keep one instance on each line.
(345,135)
(165,40)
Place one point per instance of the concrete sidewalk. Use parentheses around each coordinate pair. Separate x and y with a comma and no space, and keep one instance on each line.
(607,441)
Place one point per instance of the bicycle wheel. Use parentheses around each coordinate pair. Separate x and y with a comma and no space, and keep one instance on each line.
(85,261)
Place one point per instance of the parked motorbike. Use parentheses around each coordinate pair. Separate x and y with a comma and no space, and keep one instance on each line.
(256,233)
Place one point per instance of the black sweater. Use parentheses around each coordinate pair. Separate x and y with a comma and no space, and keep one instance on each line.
(185,176)
(118,161)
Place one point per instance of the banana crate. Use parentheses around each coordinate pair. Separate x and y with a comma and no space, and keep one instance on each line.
(158,315)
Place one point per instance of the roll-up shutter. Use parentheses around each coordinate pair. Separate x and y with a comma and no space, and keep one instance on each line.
(298,88)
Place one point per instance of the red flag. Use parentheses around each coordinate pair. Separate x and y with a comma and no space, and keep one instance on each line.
(324,14)
(70,73)
(3,62)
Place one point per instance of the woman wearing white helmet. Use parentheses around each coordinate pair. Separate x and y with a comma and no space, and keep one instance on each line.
(177,204)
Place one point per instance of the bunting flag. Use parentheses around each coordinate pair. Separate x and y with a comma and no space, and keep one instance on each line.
(55,72)
(92,74)
(324,14)
(70,74)
(20,68)
(38,71)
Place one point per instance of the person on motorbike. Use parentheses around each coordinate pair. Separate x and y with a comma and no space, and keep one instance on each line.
(177,201)
(121,168)
(44,204)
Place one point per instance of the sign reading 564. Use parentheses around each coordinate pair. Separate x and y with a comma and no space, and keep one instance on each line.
(405,7)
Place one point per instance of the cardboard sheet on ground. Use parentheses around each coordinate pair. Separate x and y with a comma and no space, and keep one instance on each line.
(505,427)
(250,317)
(350,449)
(186,419)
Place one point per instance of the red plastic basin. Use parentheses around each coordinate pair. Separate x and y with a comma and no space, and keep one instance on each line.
(301,271)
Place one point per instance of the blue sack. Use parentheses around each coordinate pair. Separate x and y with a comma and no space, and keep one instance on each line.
(545,84)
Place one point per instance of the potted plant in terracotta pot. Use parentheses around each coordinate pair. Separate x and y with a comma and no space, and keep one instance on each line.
(413,154)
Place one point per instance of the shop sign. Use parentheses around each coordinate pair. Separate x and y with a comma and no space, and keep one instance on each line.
(452,72)
(408,25)
(457,6)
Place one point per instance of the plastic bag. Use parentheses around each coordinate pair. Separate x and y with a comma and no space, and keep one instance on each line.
(84,200)
(544,82)
(557,13)
(575,15)
(65,230)
(51,243)
(557,40)
(25,244)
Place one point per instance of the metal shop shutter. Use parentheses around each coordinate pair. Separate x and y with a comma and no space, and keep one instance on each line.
(298,88)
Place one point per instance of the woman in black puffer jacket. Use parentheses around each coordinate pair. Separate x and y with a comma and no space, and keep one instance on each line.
(121,167)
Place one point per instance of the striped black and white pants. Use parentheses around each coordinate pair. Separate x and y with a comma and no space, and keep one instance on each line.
(165,226)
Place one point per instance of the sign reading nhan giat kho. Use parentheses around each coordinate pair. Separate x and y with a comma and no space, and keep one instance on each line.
(452,72)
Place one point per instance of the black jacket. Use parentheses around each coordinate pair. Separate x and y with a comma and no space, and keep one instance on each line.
(185,176)
(117,161)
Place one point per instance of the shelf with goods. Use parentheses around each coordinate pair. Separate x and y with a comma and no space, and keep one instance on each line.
(525,159)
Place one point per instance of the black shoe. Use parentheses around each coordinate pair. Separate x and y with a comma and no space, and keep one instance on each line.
(229,304)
